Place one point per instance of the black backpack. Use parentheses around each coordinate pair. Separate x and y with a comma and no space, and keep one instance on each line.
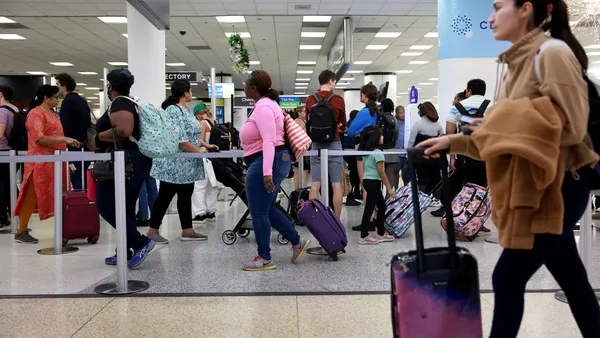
(479,114)
(322,125)
(389,127)
(17,139)
(218,136)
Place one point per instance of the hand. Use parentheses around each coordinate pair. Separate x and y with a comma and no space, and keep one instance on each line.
(202,150)
(434,145)
(269,185)
(392,193)
(474,125)
(452,162)
(213,146)
(72,142)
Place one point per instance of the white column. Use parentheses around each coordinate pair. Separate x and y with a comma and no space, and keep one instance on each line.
(380,78)
(352,100)
(146,57)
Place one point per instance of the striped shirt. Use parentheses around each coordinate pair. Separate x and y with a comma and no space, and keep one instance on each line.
(471,104)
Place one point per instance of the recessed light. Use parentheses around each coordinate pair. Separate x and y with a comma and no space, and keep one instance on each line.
(113,19)
(37,73)
(593,47)
(377,47)
(596,61)
(347,79)
(418,62)
(230,19)
(593,53)
(87,73)
(62,64)
(300,84)
(92,88)
(92,98)
(193,84)
(432,35)
(411,54)
(362,63)
(299,93)
(420,47)
(175,64)
(126,35)
(316,19)
(4,19)
(311,47)
(254,63)
(118,63)
(403,93)
(342,84)
(312,34)
(304,71)
(11,37)
(433,79)
(404,71)
(388,35)
(307,62)
(301,88)
(354,71)
(243,35)
(425,84)
(81,84)
(302,80)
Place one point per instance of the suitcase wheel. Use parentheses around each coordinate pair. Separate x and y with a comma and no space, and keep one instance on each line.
(334,256)
(282,240)
(92,240)
(229,237)
(243,233)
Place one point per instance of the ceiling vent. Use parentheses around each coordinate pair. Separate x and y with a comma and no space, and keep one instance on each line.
(12,26)
(373,30)
(304,7)
(198,47)
(315,24)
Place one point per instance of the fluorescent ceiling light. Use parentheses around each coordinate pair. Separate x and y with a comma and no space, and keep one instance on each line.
(118,63)
(593,53)
(175,64)
(425,84)
(390,35)
(92,98)
(243,35)
(593,47)
(307,62)
(37,73)
(300,84)
(433,79)
(596,61)
(312,34)
(347,79)
(230,19)
(11,37)
(81,84)
(92,88)
(354,71)
(404,71)
(411,54)
(299,93)
(342,84)
(304,71)
(87,73)
(126,35)
(62,64)
(362,63)
(113,19)
(418,62)
(432,35)
(307,47)
(403,93)
(420,47)
(316,18)
(4,19)
(254,63)
(302,80)
(377,47)
(301,88)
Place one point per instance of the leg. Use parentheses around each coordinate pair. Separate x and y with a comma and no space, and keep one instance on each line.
(380,215)
(165,196)
(143,204)
(200,190)
(184,204)
(259,205)
(372,188)
(296,178)
(211,199)
(5,207)
(315,170)
(336,168)
(27,206)
(152,191)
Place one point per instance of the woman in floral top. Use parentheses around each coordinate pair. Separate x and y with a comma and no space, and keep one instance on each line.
(177,176)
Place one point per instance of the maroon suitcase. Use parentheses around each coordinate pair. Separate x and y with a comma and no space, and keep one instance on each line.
(80,217)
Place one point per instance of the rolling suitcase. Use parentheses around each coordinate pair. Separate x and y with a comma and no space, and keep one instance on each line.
(471,208)
(324,224)
(399,214)
(435,291)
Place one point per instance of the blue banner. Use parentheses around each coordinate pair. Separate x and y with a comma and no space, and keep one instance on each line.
(414,95)
(220,115)
(464,30)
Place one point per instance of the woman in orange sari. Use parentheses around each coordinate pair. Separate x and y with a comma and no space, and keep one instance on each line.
(45,134)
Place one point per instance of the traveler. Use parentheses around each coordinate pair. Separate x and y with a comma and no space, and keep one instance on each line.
(75,116)
(268,162)
(533,237)
(7,117)
(120,121)
(392,161)
(326,113)
(178,175)
(301,120)
(401,116)
(350,143)
(374,175)
(428,174)
(45,134)
(204,199)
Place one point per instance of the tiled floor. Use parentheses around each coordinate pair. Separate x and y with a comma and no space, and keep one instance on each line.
(280,316)
(214,268)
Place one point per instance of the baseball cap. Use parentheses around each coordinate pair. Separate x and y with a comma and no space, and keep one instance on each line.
(199,107)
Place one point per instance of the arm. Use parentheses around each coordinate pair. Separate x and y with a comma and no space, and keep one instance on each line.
(263,117)
(123,121)
(204,125)
(384,178)
(359,123)
(464,145)
(3,121)
(341,118)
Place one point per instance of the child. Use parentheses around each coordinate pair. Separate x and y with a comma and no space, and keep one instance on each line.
(374,175)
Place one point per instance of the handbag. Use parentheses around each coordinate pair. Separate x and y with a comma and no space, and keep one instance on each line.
(105,170)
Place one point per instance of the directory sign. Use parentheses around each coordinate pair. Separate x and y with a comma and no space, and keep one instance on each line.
(188,76)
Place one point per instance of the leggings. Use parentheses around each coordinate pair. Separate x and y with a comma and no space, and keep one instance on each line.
(559,254)
(28,205)
(374,199)
(166,192)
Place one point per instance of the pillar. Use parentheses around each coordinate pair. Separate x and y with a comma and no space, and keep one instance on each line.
(467,49)
(352,100)
(380,78)
(226,103)
(146,57)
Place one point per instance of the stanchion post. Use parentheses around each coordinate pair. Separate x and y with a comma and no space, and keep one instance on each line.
(324,153)
(13,192)
(301,172)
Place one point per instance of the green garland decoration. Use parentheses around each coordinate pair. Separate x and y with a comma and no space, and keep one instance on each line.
(239,54)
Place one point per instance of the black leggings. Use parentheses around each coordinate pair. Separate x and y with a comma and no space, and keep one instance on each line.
(559,254)
(374,199)
(166,192)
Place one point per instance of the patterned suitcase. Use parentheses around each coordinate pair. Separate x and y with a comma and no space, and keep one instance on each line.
(325,226)
(435,291)
(399,214)
(471,209)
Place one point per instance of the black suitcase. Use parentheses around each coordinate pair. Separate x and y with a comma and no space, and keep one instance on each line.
(435,291)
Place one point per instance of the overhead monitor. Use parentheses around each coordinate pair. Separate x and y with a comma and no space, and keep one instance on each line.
(383,91)
(339,57)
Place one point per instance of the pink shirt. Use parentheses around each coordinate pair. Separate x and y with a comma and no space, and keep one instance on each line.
(263,131)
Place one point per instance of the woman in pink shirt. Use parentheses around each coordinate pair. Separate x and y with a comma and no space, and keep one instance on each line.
(269,163)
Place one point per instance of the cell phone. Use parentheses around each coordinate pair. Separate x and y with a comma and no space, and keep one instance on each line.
(466,119)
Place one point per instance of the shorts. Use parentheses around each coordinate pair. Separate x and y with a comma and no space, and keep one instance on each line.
(336,163)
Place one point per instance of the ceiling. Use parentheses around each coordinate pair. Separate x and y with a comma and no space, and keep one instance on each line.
(69,31)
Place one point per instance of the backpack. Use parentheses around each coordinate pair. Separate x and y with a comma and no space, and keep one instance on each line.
(594,102)
(322,125)
(478,114)
(219,137)
(389,128)
(158,133)
(17,139)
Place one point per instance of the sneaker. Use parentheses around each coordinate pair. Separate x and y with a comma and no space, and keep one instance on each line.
(211,217)
(158,239)
(352,202)
(193,237)
(260,264)
(140,255)
(299,249)
(436,203)
(368,241)
(199,219)
(484,229)
(25,237)
(439,212)
(385,238)
(112,260)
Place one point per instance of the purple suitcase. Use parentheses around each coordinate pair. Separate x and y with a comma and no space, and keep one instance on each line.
(324,224)
(435,291)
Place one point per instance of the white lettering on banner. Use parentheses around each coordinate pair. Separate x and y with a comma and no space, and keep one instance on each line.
(189,76)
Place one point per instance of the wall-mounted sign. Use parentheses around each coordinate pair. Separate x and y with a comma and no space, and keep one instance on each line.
(189,76)
(224,90)
(243,102)
(414,95)
(289,101)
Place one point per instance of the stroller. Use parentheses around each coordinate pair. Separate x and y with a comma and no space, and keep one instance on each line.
(231,175)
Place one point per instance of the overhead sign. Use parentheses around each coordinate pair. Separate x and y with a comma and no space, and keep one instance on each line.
(289,101)
(340,55)
(414,95)
(188,76)
(224,90)
(243,102)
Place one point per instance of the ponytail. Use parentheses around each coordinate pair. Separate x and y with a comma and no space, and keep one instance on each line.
(273,95)
(561,29)
(371,93)
(372,105)
(171,100)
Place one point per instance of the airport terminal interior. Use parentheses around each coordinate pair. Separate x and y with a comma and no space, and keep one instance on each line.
(198,288)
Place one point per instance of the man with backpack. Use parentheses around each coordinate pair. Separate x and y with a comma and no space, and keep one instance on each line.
(326,114)
(7,118)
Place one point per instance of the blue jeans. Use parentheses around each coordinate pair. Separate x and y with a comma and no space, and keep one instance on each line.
(148,194)
(105,198)
(262,203)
